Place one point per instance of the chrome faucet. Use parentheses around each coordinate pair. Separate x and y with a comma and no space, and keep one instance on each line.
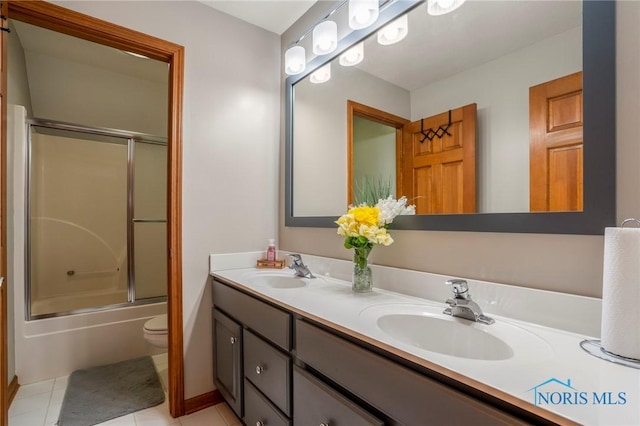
(301,270)
(461,304)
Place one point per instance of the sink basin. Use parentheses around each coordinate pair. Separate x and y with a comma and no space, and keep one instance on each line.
(276,279)
(425,328)
(445,336)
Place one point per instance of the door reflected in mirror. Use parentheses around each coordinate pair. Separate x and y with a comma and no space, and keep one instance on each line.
(488,54)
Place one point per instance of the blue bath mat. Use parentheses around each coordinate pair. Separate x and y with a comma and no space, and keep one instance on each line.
(98,394)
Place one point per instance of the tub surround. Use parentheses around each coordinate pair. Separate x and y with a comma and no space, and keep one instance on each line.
(550,359)
(55,347)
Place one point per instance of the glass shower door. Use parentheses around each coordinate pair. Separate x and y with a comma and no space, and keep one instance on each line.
(77,221)
(96,214)
(148,223)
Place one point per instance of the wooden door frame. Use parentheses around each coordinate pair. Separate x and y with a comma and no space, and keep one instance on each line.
(355,109)
(4,346)
(56,18)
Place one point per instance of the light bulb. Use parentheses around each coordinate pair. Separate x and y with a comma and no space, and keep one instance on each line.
(362,13)
(445,4)
(353,56)
(294,60)
(321,75)
(394,31)
(440,7)
(390,33)
(325,37)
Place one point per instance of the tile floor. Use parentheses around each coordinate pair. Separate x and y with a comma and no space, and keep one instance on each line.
(38,404)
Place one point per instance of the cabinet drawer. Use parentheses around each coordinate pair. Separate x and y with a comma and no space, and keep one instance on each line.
(401,393)
(258,411)
(315,403)
(269,370)
(270,322)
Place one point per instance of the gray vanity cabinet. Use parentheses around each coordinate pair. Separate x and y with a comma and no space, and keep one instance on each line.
(228,359)
(266,342)
(321,377)
(408,397)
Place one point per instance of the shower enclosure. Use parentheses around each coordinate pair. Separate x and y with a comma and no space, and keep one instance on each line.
(96,219)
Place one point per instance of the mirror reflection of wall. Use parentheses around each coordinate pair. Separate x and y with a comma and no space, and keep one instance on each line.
(374,153)
(474,55)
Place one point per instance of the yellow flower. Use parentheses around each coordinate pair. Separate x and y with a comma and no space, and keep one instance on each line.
(365,215)
(383,237)
(347,226)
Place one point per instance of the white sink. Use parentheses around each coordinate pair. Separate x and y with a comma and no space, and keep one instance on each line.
(425,328)
(276,279)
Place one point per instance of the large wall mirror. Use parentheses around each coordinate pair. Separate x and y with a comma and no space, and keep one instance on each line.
(493,76)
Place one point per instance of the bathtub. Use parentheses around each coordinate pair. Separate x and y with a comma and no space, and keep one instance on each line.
(55,347)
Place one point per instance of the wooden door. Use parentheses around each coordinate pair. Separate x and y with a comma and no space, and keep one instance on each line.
(439,173)
(4,350)
(555,145)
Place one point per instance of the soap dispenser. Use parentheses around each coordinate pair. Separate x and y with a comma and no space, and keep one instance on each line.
(271,250)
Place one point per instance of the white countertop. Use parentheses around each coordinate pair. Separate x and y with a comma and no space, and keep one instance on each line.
(541,354)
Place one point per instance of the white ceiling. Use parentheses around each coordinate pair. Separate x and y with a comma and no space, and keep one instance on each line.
(274,16)
(42,41)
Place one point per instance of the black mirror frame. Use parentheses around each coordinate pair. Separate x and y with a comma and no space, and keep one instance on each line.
(599,106)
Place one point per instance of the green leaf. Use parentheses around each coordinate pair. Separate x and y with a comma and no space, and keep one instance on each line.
(369,190)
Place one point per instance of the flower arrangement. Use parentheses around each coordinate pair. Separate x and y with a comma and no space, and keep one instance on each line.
(364,226)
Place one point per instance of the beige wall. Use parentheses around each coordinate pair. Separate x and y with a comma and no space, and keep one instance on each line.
(373,145)
(565,263)
(67,91)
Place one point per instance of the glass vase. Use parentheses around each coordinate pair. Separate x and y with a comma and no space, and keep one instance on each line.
(362,278)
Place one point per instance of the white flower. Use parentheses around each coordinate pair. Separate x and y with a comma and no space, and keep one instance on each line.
(390,208)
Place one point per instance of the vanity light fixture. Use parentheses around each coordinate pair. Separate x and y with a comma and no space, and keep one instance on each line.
(362,13)
(321,75)
(394,31)
(353,56)
(325,37)
(440,7)
(294,60)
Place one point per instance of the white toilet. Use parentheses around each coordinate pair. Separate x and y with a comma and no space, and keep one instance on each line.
(155,331)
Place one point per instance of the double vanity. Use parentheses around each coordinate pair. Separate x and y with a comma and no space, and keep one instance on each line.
(301,351)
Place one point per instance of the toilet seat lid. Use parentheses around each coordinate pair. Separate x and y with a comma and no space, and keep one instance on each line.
(158,323)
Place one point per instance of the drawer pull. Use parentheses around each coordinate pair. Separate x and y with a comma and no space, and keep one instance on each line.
(259,369)
(259,423)
(233,340)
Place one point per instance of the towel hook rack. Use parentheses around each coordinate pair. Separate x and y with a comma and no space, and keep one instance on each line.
(439,132)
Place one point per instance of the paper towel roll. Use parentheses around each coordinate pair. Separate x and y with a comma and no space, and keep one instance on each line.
(621,292)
